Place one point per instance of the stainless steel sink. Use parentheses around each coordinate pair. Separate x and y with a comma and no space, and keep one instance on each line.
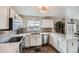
(15,39)
(12,39)
(35,33)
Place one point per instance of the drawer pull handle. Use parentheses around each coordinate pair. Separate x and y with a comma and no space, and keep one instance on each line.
(72,44)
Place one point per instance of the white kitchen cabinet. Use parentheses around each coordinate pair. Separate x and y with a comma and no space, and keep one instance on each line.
(32,40)
(36,40)
(62,46)
(39,40)
(17,20)
(59,47)
(6,13)
(53,41)
(71,29)
(27,41)
(51,23)
(50,40)
(12,13)
(72,46)
(9,48)
(47,23)
(4,17)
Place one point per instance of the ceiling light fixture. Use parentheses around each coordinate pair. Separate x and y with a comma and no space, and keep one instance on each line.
(43,9)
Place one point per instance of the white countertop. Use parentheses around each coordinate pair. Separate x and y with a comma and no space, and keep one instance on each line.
(62,36)
(6,38)
(23,34)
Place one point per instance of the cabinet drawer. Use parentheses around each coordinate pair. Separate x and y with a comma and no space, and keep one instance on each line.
(72,46)
(62,47)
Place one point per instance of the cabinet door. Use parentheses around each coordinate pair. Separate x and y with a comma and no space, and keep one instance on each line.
(50,40)
(72,46)
(12,13)
(71,29)
(27,41)
(62,47)
(59,47)
(39,40)
(51,24)
(54,41)
(45,23)
(9,48)
(33,40)
(4,17)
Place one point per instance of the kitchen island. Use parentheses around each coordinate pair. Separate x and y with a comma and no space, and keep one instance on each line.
(12,44)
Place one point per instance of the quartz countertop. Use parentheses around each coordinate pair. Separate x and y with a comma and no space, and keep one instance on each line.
(6,39)
(63,36)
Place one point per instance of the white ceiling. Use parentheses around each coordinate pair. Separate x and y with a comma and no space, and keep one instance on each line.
(52,11)
(34,11)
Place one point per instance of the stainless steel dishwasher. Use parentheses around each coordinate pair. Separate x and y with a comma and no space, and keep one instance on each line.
(45,38)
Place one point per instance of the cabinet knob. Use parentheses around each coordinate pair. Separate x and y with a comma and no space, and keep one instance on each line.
(72,44)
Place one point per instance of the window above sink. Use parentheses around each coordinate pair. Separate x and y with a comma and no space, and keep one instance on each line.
(33,25)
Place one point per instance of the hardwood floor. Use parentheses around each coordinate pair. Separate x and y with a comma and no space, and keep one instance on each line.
(41,49)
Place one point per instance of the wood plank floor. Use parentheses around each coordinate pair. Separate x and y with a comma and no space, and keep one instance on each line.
(41,49)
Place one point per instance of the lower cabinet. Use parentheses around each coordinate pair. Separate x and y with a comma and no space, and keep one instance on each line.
(64,45)
(72,46)
(39,40)
(9,48)
(27,41)
(36,40)
(60,44)
(53,41)
(33,40)
(69,46)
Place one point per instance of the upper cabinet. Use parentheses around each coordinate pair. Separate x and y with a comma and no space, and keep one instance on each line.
(17,20)
(12,13)
(7,12)
(4,17)
(47,23)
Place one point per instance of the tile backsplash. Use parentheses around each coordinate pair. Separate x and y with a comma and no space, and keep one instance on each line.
(46,29)
(7,33)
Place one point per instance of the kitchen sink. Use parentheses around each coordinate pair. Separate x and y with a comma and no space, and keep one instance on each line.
(12,39)
(15,39)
